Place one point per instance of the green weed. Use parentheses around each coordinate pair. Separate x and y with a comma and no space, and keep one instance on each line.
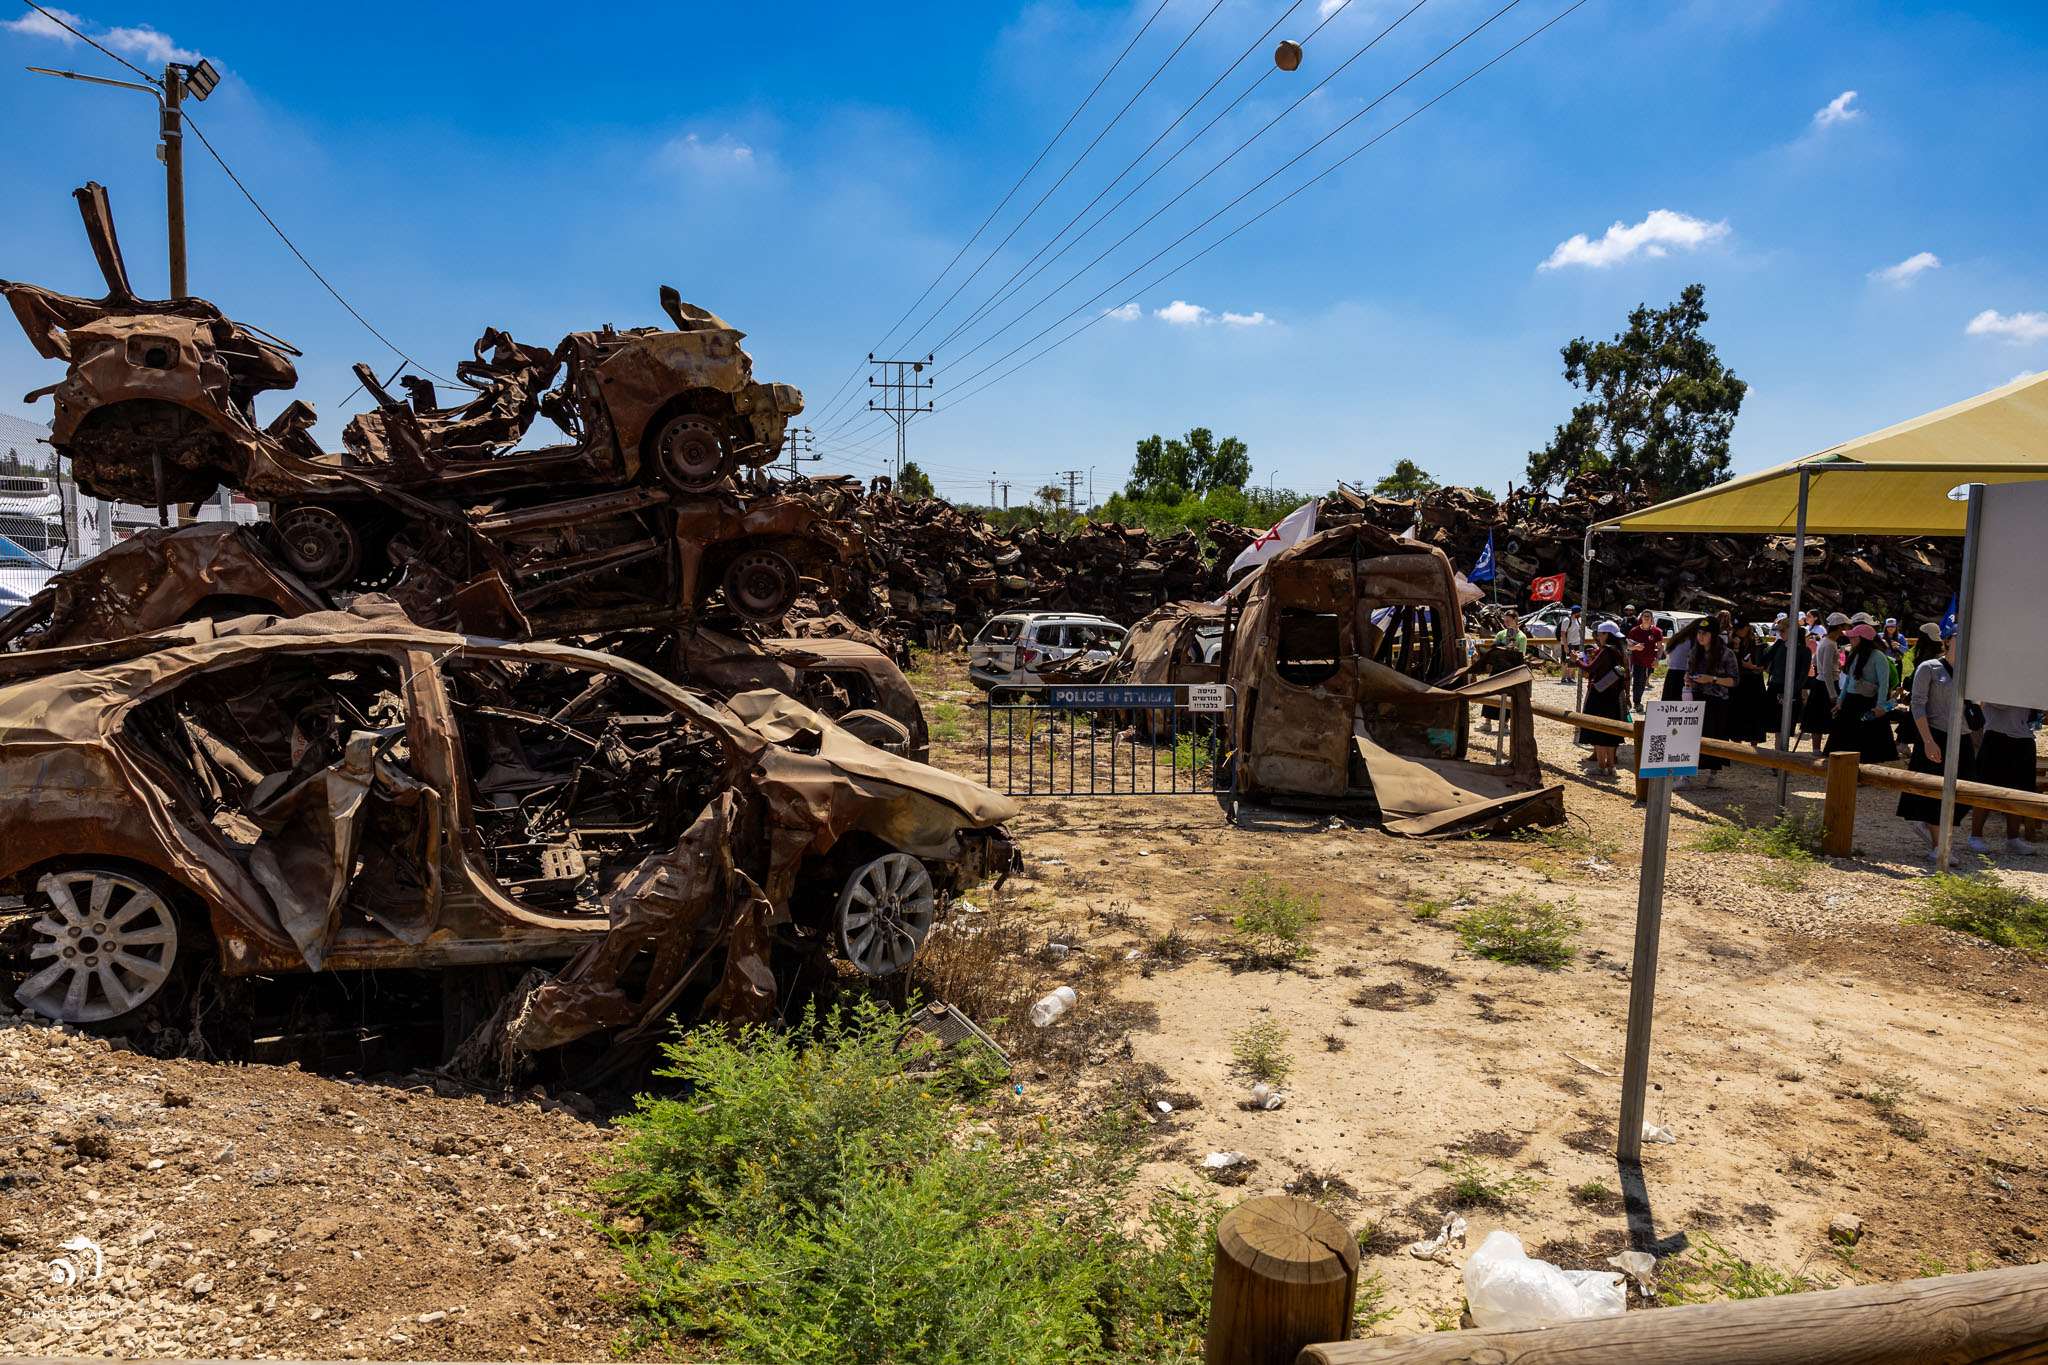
(1827,1046)
(947,722)
(1887,1090)
(1793,837)
(1270,923)
(1474,1184)
(1710,1271)
(819,1196)
(1592,1192)
(1522,929)
(1979,905)
(1259,1051)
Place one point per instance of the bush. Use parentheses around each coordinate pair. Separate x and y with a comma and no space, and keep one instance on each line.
(1269,927)
(1521,929)
(1710,1271)
(808,1199)
(1979,904)
(1794,838)
(1260,1052)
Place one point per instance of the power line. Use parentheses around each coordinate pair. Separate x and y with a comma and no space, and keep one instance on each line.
(964,246)
(1328,170)
(90,42)
(1226,160)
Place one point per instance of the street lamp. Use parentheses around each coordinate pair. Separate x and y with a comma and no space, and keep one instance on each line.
(179,79)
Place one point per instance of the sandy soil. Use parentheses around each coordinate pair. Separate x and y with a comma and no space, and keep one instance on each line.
(262,1211)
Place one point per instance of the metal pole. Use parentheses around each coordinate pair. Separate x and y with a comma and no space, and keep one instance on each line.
(1585,607)
(1951,752)
(1793,638)
(174,176)
(1642,976)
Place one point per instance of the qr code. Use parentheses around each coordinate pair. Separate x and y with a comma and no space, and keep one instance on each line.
(1655,744)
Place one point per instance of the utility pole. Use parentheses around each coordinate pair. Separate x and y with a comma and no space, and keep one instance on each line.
(798,442)
(899,396)
(1006,496)
(1073,478)
(991,489)
(179,79)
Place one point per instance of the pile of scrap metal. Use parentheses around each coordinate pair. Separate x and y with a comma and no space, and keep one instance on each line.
(349,790)
(640,517)
(1347,656)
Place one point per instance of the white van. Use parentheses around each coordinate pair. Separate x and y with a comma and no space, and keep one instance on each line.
(1011,647)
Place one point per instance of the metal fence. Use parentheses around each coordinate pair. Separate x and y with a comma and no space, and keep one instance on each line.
(1159,740)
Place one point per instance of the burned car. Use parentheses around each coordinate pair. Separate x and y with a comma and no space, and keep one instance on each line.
(1346,657)
(636,515)
(348,791)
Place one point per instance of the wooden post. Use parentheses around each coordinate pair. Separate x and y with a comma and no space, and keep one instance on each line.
(1286,1274)
(1642,787)
(1992,1315)
(1838,815)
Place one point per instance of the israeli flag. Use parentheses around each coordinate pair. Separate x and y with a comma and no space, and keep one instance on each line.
(1948,619)
(1482,572)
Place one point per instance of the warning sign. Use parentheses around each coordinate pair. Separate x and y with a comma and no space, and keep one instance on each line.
(1671,739)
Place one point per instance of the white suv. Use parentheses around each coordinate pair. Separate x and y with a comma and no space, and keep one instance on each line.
(1013,646)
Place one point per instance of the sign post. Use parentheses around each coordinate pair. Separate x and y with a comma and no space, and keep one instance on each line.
(1671,748)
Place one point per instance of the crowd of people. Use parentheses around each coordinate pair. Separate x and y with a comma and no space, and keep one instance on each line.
(1854,684)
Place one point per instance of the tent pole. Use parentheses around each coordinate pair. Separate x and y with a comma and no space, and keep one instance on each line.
(1951,752)
(1585,606)
(1793,637)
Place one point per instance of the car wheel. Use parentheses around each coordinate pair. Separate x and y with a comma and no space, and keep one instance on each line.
(103,946)
(884,914)
(689,454)
(761,585)
(318,544)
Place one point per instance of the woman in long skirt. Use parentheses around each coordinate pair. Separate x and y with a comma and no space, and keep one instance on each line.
(1712,674)
(1677,659)
(1606,690)
(1930,703)
(1752,701)
(1817,704)
(1864,677)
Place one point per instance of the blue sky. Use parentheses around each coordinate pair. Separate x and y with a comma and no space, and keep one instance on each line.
(807,170)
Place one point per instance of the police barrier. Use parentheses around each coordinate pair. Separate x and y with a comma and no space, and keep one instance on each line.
(1138,740)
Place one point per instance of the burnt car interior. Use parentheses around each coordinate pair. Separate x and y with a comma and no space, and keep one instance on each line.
(576,777)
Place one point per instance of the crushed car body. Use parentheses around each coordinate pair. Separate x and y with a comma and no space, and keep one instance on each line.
(1346,658)
(348,790)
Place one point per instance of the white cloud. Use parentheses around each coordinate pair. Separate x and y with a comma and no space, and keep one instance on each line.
(1905,271)
(146,43)
(1129,312)
(37,25)
(1654,236)
(2018,328)
(691,153)
(2023,374)
(1247,319)
(1181,313)
(1330,7)
(1837,111)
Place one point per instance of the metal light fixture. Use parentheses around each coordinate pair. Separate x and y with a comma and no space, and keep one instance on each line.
(1287,56)
(201,79)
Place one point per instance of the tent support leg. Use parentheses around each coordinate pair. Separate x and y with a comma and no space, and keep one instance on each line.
(1951,752)
(1586,606)
(1793,638)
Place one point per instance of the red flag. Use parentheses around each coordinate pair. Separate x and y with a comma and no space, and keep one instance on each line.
(1549,589)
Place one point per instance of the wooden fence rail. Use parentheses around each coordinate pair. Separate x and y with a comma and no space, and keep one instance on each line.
(1842,773)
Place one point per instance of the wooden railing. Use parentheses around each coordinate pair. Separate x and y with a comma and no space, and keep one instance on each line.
(1287,1272)
(1842,773)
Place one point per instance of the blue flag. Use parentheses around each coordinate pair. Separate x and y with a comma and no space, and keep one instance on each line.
(1482,572)
(1948,619)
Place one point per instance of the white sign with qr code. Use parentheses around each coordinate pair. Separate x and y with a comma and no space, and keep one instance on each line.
(1671,739)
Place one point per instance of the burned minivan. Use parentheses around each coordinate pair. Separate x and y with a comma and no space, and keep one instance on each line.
(1347,655)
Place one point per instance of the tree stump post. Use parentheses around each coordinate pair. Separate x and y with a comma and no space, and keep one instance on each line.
(1838,813)
(1286,1275)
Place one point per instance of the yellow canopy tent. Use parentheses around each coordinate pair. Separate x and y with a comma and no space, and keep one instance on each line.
(1891,482)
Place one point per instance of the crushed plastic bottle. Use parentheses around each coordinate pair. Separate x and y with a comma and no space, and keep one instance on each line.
(1052,1006)
(1652,1133)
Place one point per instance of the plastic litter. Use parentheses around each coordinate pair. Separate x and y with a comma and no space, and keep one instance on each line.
(1052,1006)
(967,907)
(1439,1249)
(1217,1161)
(1639,1266)
(1266,1097)
(1056,951)
(1652,1133)
(1506,1290)
(1164,1107)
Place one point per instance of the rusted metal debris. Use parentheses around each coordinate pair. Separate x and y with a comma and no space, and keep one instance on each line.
(348,790)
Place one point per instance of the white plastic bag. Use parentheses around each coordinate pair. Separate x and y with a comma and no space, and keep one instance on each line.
(1507,1290)
(1652,1133)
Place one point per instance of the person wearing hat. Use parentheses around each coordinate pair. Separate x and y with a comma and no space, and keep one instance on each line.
(1891,641)
(1865,682)
(1791,659)
(1573,640)
(1825,688)
(1607,674)
(1712,674)
(1926,645)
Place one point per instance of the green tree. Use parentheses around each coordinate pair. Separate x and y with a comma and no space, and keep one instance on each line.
(913,483)
(1170,469)
(1409,480)
(1660,407)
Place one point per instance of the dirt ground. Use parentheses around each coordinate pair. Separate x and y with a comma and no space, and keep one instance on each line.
(1815,1055)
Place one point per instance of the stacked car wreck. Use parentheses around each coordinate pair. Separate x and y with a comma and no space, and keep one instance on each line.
(320,746)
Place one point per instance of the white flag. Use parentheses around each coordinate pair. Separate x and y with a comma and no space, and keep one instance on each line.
(1291,529)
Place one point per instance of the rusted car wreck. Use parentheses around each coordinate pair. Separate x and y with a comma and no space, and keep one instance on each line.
(638,517)
(347,790)
(1346,655)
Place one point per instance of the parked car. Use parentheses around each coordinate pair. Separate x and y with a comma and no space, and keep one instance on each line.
(1010,648)
(1543,626)
(349,791)
(22,574)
